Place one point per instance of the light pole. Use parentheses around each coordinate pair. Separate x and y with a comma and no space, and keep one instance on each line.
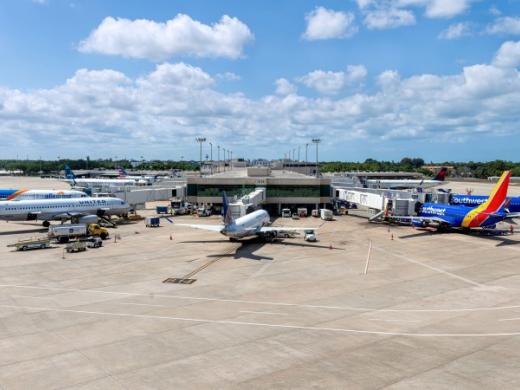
(218,158)
(306,148)
(231,160)
(200,140)
(211,156)
(317,141)
(298,153)
(224,158)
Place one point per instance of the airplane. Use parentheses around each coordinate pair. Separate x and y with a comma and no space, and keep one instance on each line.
(487,215)
(143,180)
(253,224)
(23,194)
(408,183)
(72,180)
(79,210)
(512,203)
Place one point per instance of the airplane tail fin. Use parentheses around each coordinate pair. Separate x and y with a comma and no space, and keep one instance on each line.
(497,198)
(226,211)
(121,171)
(442,174)
(68,173)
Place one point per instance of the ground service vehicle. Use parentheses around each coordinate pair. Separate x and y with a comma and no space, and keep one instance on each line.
(152,221)
(309,236)
(76,246)
(93,242)
(286,213)
(31,243)
(63,233)
(326,214)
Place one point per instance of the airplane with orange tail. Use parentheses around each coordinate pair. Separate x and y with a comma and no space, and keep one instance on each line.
(486,215)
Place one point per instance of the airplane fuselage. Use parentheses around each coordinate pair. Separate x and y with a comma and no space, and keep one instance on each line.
(248,225)
(459,216)
(23,194)
(59,209)
(476,200)
(403,184)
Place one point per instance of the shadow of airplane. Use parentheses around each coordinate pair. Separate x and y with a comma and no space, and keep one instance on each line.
(24,231)
(494,235)
(249,246)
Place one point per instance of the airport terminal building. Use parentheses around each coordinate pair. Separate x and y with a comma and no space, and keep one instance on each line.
(272,189)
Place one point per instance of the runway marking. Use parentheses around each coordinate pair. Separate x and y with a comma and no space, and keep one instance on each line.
(260,324)
(406,258)
(137,304)
(263,312)
(510,319)
(266,303)
(381,319)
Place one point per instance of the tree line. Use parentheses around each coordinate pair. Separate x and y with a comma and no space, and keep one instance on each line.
(475,169)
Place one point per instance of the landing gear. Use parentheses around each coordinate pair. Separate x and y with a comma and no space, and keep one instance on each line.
(46,224)
(233,239)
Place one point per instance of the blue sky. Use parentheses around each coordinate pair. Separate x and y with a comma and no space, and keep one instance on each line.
(385,79)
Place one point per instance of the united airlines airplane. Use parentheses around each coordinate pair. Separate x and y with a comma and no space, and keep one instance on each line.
(253,224)
(76,209)
(15,194)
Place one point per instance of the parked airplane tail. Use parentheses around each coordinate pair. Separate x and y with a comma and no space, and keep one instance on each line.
(122,172)
(68,173)
(493,205)
(442,174)
(226,211)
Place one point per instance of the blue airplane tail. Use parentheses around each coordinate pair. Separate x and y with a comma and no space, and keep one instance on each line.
(226,211)
(122,172)
(68,173)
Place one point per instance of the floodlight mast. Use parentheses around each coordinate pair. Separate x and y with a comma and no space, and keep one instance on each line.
(200,140)
(316,141)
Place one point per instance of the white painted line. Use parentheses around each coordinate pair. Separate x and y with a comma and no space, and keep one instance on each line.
(510,319)
(263,312)
(266,303)
(137,304)
(260,324)
(406,258)
(380,319)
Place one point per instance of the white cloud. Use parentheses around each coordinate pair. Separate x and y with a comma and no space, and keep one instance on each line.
(284,87)
(161,112)
(323,23)
(142,38)
(330,83)
(446,8)
(508,55)
(457,30)
(506,25)
(228,76)
(388,18)
(384,14)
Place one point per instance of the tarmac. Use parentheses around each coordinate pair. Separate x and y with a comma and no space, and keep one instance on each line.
(368,306)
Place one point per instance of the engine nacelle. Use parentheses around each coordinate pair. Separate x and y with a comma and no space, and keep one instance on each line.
(418,223)
(88,219)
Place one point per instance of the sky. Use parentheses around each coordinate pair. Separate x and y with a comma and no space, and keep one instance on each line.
(383,79)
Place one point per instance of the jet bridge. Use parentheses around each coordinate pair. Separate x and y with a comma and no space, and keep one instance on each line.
(251,201)
(381,202)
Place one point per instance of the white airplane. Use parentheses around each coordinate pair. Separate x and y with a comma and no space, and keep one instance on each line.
(253,224)
(72,180)
(23,194)
(80,210)
(406,183)
(143,180)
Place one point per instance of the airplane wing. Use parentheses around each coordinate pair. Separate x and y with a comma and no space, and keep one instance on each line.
(513,215)
(417,218)
(211,228)
(268,229)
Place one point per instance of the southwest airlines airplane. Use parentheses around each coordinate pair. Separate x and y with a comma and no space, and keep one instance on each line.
(82,210)
(71,179)
(249,225)
(486,215)
(512,204)
(14,194)
(406,184)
